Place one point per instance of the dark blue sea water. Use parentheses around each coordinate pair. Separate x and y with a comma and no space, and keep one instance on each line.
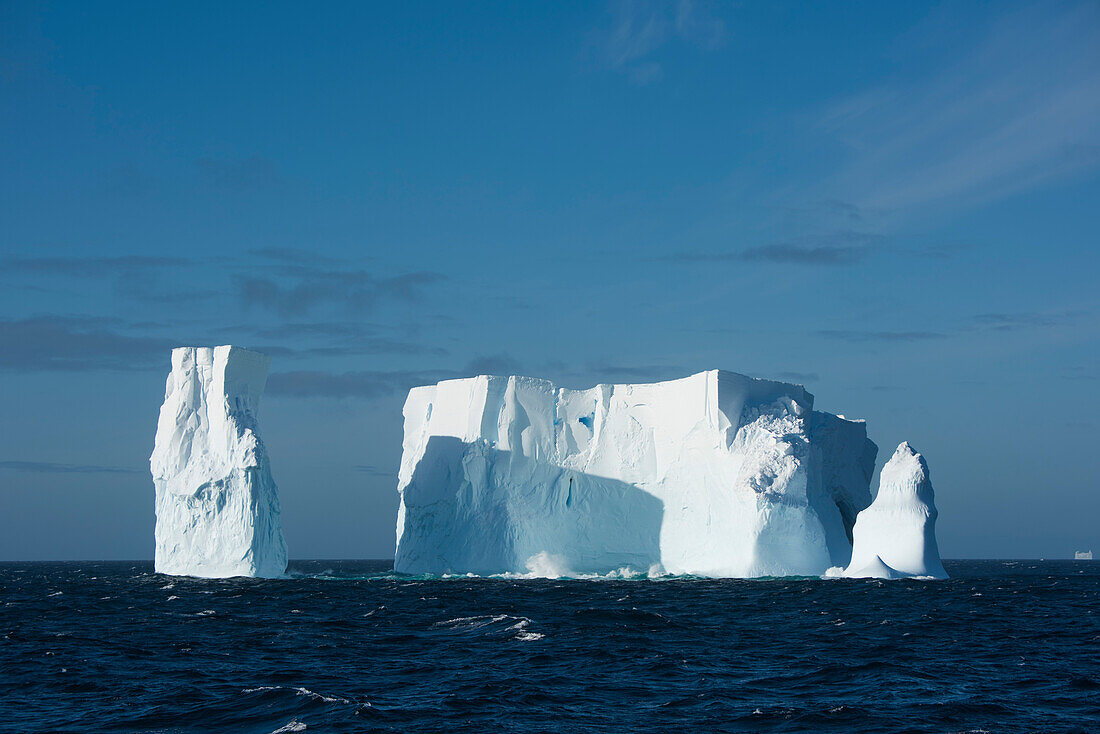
(346,646)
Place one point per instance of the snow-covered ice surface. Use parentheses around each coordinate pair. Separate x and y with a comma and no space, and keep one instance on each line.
(217,507)
(896,536)
(716,474)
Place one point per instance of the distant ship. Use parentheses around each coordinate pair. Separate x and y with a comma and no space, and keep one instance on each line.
(1082,556)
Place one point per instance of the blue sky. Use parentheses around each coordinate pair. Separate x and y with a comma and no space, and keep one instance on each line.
(893,203)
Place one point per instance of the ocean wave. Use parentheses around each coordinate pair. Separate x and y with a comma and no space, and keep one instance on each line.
(475,654)
(492,624)
(299,691)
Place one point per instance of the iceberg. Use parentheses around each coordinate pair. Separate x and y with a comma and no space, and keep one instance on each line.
(716,474)
(217,507)
(896,536)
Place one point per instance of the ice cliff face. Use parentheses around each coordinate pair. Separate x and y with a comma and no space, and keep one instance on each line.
(896,536)
(715,474)
(217,506)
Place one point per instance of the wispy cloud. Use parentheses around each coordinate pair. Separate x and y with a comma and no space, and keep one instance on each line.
(1081,372)
(942,251)
(1024,320)
(283,281)
(380,383)
(285,284)
(339,339)
(160,286)
(139,278)
(294,255)
(362,384)
(632,373)
(640,28)
(81,344)
(51,467)
(842,210)
(879,336)
(304,288)
(841,248)
(1016,110)
(88,266)
(374,471)
(801,254)
(991,323)
(493,364)
(246,174)
(799,377)
(75,344)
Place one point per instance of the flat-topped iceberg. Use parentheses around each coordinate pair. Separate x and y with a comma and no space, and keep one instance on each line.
(217,506)
(896,536)
(716,474)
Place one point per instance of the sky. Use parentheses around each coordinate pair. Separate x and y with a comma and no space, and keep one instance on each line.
(895,204)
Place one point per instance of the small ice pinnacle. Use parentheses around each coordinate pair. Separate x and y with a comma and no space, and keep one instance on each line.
(897,533)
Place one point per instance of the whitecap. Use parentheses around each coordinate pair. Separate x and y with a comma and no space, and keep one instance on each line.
(471,622)
(298,691)
(292,725)
(518,627)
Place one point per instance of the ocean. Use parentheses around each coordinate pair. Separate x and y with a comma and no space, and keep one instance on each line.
(347,646)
